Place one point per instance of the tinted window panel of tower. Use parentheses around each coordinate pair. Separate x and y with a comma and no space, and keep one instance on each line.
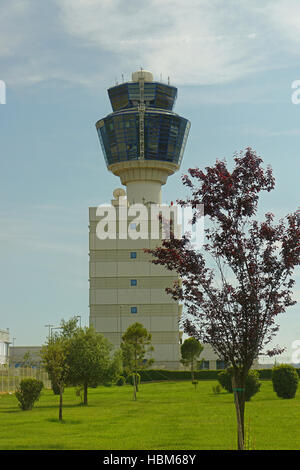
(110,129)
(151,136)
(130,126)
(132,152)
(119,97)
(122,148)
(149,92)
(120,137)
(165,96)
(120,102)
(114,154)
(134,93)
(185,136)
(171,150)
(104,143)
(130,137)
(152,150)
(118,122)
(129,122)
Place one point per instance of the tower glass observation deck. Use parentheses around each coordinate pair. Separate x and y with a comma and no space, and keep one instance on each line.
(143,125)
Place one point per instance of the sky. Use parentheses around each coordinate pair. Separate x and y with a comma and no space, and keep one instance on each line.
(235,64)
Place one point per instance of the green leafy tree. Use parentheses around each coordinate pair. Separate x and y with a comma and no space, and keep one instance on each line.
(54,358)
(66,330)
(27,360)
(190,352)
(136,344)
(69,328)
(90,360)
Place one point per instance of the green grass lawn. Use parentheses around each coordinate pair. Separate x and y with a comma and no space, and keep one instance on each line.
(166,416)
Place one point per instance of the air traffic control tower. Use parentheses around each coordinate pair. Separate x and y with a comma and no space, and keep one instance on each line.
(143,142)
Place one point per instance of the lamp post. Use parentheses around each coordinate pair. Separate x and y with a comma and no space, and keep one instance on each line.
(49,332)
(13,343)
(13,352)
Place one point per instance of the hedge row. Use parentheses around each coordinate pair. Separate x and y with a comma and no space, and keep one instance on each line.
(155,375)
(163,374)
(267,373)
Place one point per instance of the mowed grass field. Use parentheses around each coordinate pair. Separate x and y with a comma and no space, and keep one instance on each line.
(166,416)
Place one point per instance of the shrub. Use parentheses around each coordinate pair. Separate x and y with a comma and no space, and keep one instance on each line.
(108,383)
(94,384)
(265,374)
(252,382)
(120,381)
(216,389)
(285,380)
(29,392)
(224,379)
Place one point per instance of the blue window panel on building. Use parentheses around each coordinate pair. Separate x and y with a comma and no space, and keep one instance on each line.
(203,365)
(133,282)
(133,254)
(220,364)
(133,309)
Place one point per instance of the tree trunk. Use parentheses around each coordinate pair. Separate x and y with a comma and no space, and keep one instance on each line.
(192,370)
(60,403)
(134,387)
(134,374)
(85,393)
(238,387)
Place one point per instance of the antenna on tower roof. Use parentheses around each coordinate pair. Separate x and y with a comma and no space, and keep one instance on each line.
(168,80)
(122,78)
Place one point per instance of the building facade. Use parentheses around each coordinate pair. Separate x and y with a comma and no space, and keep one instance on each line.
(4,347)
(25,356)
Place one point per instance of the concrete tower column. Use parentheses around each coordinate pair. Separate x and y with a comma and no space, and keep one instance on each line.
(143,179)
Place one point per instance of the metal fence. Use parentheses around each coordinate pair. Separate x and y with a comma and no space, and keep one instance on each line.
(10,377)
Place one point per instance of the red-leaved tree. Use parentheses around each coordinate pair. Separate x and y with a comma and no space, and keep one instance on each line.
(234,305)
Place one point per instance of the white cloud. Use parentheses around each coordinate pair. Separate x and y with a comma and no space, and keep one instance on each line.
(284,16)
(11,37)
(194,42)
(263,132)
